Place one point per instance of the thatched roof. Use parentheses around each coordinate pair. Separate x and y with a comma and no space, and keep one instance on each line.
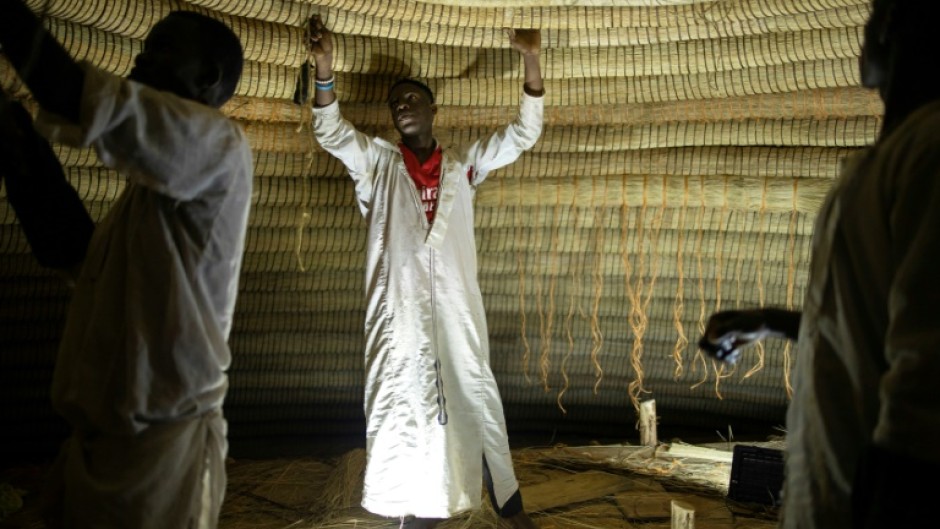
(687,146)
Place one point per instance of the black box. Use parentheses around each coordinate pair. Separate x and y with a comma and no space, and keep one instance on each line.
(756,475)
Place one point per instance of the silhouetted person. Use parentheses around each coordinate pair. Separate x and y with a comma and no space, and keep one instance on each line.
(864,422)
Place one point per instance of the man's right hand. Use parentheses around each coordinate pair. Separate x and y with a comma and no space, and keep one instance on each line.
(320,45)
(319,39)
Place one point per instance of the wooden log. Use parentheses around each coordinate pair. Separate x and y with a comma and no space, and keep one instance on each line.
(648,423)
(683,515)
(696,452)
(609,453)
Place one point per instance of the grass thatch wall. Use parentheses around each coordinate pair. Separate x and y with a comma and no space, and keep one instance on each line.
(686,148)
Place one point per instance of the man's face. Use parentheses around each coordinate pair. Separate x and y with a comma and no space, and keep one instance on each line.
(412,110)
(171,60)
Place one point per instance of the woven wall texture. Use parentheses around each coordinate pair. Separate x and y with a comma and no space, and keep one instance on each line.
(686,148)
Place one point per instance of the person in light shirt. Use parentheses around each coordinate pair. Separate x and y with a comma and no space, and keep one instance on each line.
(434,418)
(140,374)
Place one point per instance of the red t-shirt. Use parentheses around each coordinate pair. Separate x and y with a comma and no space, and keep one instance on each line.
(426,176)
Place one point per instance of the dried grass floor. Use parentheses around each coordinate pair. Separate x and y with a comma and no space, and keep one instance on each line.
(588,487)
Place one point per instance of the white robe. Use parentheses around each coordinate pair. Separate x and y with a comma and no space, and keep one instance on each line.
(868,357)
(431,403)
(140,373)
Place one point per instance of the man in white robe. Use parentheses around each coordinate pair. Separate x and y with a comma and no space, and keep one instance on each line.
(141,370)
(434,417)
(864,421)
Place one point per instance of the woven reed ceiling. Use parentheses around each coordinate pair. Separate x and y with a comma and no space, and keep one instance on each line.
(686,147)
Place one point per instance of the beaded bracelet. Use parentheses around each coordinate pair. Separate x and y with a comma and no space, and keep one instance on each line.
(326,84)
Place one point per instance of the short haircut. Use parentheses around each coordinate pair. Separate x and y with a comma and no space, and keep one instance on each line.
(221,46)
(409,80)
(910,19)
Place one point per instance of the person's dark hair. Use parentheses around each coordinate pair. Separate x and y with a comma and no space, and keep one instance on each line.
(222,46)
(908,19)
(415,82)
(901,33)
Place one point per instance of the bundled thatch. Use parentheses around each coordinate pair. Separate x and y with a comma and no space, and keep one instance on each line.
(686,147)
(588,487)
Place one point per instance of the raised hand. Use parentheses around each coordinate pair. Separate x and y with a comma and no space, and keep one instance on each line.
(319,39)
(526,41)
(320,45)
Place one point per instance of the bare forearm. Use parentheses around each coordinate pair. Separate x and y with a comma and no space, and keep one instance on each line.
(533,75)
(324,96)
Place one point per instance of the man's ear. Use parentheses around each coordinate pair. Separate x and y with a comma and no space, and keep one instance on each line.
(434,109)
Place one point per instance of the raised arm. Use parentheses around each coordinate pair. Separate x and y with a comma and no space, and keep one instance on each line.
(528,42)
(320,45)
(52,216)
(52,76)
(507,144)
(335,134)
(727,332)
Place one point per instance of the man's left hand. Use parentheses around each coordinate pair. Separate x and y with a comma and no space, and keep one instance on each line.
(526,41)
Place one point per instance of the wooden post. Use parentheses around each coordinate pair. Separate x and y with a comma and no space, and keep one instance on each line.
(683,515)
(648,423)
